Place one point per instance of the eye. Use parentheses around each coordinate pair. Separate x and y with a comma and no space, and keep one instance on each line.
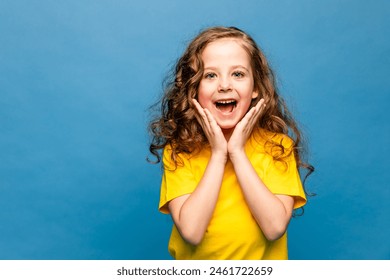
(210,75)
(238,74)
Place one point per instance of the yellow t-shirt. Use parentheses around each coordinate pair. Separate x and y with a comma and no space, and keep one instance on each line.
(233,232)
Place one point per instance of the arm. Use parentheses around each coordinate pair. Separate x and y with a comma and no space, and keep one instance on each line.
(271,212)
(192,213)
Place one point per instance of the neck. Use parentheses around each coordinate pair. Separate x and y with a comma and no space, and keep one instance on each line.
(228,133)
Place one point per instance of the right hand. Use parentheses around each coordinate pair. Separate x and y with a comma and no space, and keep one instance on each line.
(211,129)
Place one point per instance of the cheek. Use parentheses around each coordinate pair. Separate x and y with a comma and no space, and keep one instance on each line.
(204,96)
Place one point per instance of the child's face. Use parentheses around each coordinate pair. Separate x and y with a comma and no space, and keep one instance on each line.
(226,88)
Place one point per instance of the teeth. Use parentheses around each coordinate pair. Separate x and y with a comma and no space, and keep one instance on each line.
(226,106)
(226,101)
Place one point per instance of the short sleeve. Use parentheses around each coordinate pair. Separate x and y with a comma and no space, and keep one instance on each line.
(176,181)
(282,177)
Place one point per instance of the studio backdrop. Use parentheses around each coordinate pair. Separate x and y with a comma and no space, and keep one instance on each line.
(77,79)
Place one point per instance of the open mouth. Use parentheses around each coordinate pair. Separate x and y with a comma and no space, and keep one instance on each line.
(226,106)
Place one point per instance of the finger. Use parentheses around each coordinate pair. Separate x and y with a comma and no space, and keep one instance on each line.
(215,129)
(251,118)
(261,104)
(259,109)
(198,107)
(248,116)
(202,117)
(210,117)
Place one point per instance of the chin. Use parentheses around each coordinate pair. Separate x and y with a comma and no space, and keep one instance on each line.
(227,127)
(227,122)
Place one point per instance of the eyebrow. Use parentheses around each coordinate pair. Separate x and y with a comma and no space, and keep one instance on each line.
(240,66)
(232,67)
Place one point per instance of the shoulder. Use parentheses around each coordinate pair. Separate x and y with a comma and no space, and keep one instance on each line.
(268,139)
(173,159)
(279,138)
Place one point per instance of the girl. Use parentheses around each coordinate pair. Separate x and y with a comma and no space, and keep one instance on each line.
(231,152)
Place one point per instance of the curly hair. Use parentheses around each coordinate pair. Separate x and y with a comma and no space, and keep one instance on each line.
(176,124)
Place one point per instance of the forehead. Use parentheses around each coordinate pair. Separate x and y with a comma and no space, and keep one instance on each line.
(226,50)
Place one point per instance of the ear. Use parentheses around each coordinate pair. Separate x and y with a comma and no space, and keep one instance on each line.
(254,95)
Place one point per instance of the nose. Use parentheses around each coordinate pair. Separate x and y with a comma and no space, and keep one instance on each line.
(224,85)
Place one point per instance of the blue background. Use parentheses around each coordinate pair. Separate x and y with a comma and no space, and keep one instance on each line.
(77,77)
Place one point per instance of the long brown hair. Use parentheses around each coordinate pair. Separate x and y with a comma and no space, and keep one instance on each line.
(176,124)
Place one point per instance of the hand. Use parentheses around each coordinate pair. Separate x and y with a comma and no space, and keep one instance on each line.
(244,128)
(211,129)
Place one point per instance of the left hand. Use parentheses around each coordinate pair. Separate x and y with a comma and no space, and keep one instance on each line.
(244,128)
